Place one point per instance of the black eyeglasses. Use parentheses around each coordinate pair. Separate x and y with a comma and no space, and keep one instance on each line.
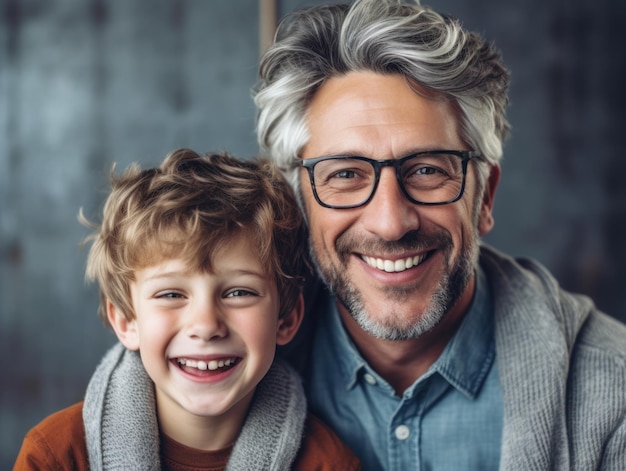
(433,177)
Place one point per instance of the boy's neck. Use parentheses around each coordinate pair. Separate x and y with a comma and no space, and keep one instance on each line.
(191,458)
(207,433)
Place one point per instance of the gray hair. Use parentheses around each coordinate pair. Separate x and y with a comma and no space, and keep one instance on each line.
(387,37)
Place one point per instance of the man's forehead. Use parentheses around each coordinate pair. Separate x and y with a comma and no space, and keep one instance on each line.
(378,116)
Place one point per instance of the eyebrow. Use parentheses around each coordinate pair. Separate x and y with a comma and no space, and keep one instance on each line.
(251,273)
(177,273)
(169,274)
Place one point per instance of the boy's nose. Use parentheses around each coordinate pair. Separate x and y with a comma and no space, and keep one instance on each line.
(206,322)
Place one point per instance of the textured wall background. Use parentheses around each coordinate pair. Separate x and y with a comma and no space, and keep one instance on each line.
(85,84)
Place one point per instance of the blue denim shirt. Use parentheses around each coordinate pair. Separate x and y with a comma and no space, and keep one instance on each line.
(450,418)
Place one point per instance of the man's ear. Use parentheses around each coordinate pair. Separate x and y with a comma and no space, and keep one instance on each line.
(288,325)
(125,330)
(485,218)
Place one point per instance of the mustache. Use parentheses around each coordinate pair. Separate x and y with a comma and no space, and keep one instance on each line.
(413,241)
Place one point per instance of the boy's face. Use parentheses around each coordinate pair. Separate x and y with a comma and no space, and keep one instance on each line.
(205,339)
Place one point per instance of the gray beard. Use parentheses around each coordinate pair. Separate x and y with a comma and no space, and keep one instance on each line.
(449,289)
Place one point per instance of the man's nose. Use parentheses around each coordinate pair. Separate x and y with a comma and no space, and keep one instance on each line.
(389,214)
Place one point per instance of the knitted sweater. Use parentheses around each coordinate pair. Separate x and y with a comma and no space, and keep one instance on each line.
(562,366)
(121,424)
(58,442)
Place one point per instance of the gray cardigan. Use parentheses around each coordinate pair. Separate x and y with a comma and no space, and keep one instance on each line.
(562,365)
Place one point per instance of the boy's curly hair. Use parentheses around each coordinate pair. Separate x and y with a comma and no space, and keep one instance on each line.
(190,207)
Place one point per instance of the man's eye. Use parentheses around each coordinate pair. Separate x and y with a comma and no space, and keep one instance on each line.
(344,174)
(427,171)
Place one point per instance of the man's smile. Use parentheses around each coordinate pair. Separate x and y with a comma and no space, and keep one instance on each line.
(394,266)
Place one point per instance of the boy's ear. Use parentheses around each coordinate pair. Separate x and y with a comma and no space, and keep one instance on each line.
(289,323)
(125,330)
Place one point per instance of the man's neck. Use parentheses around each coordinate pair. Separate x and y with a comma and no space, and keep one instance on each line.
(402,362)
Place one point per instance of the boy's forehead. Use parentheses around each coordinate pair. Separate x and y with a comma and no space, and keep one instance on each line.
(199,253)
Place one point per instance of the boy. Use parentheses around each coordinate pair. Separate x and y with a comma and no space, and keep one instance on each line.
(199,264)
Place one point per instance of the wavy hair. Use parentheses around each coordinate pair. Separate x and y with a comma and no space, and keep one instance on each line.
(388,37)
(189,208)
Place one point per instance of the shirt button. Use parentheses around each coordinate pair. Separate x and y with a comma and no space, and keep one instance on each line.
(402,432)
(369,378)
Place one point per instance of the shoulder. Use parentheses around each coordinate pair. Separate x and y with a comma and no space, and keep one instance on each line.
(322,449)
(607,333)
(57,442)
(525,289)
(601,349)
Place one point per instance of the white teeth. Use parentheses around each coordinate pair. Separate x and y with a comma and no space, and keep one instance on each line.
(393,266)
(204,365)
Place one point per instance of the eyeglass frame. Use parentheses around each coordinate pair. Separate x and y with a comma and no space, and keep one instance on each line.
(464,155)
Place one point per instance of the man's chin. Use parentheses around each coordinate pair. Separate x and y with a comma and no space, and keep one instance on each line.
(394,324)
(396,332)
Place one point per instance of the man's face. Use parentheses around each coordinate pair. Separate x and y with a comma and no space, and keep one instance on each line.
(360,252)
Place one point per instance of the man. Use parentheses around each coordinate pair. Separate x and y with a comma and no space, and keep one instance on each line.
(428,351)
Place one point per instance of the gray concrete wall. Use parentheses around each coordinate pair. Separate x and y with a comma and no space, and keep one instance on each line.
(85,84)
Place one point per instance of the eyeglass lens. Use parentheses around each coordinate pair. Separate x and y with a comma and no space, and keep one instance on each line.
(426,178)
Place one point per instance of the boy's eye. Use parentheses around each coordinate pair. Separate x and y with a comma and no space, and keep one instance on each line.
(169,295)
(239,292)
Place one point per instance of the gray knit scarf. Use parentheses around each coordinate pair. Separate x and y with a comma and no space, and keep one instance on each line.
(122,430)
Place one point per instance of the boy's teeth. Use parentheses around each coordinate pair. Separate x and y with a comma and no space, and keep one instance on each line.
(393,266)
(205,365)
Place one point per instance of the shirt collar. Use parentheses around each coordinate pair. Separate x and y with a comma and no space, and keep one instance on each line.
(347,358)
(464,363)
(469,355)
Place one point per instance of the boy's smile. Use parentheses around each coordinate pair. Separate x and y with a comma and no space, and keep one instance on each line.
(205,370)
(198,367)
